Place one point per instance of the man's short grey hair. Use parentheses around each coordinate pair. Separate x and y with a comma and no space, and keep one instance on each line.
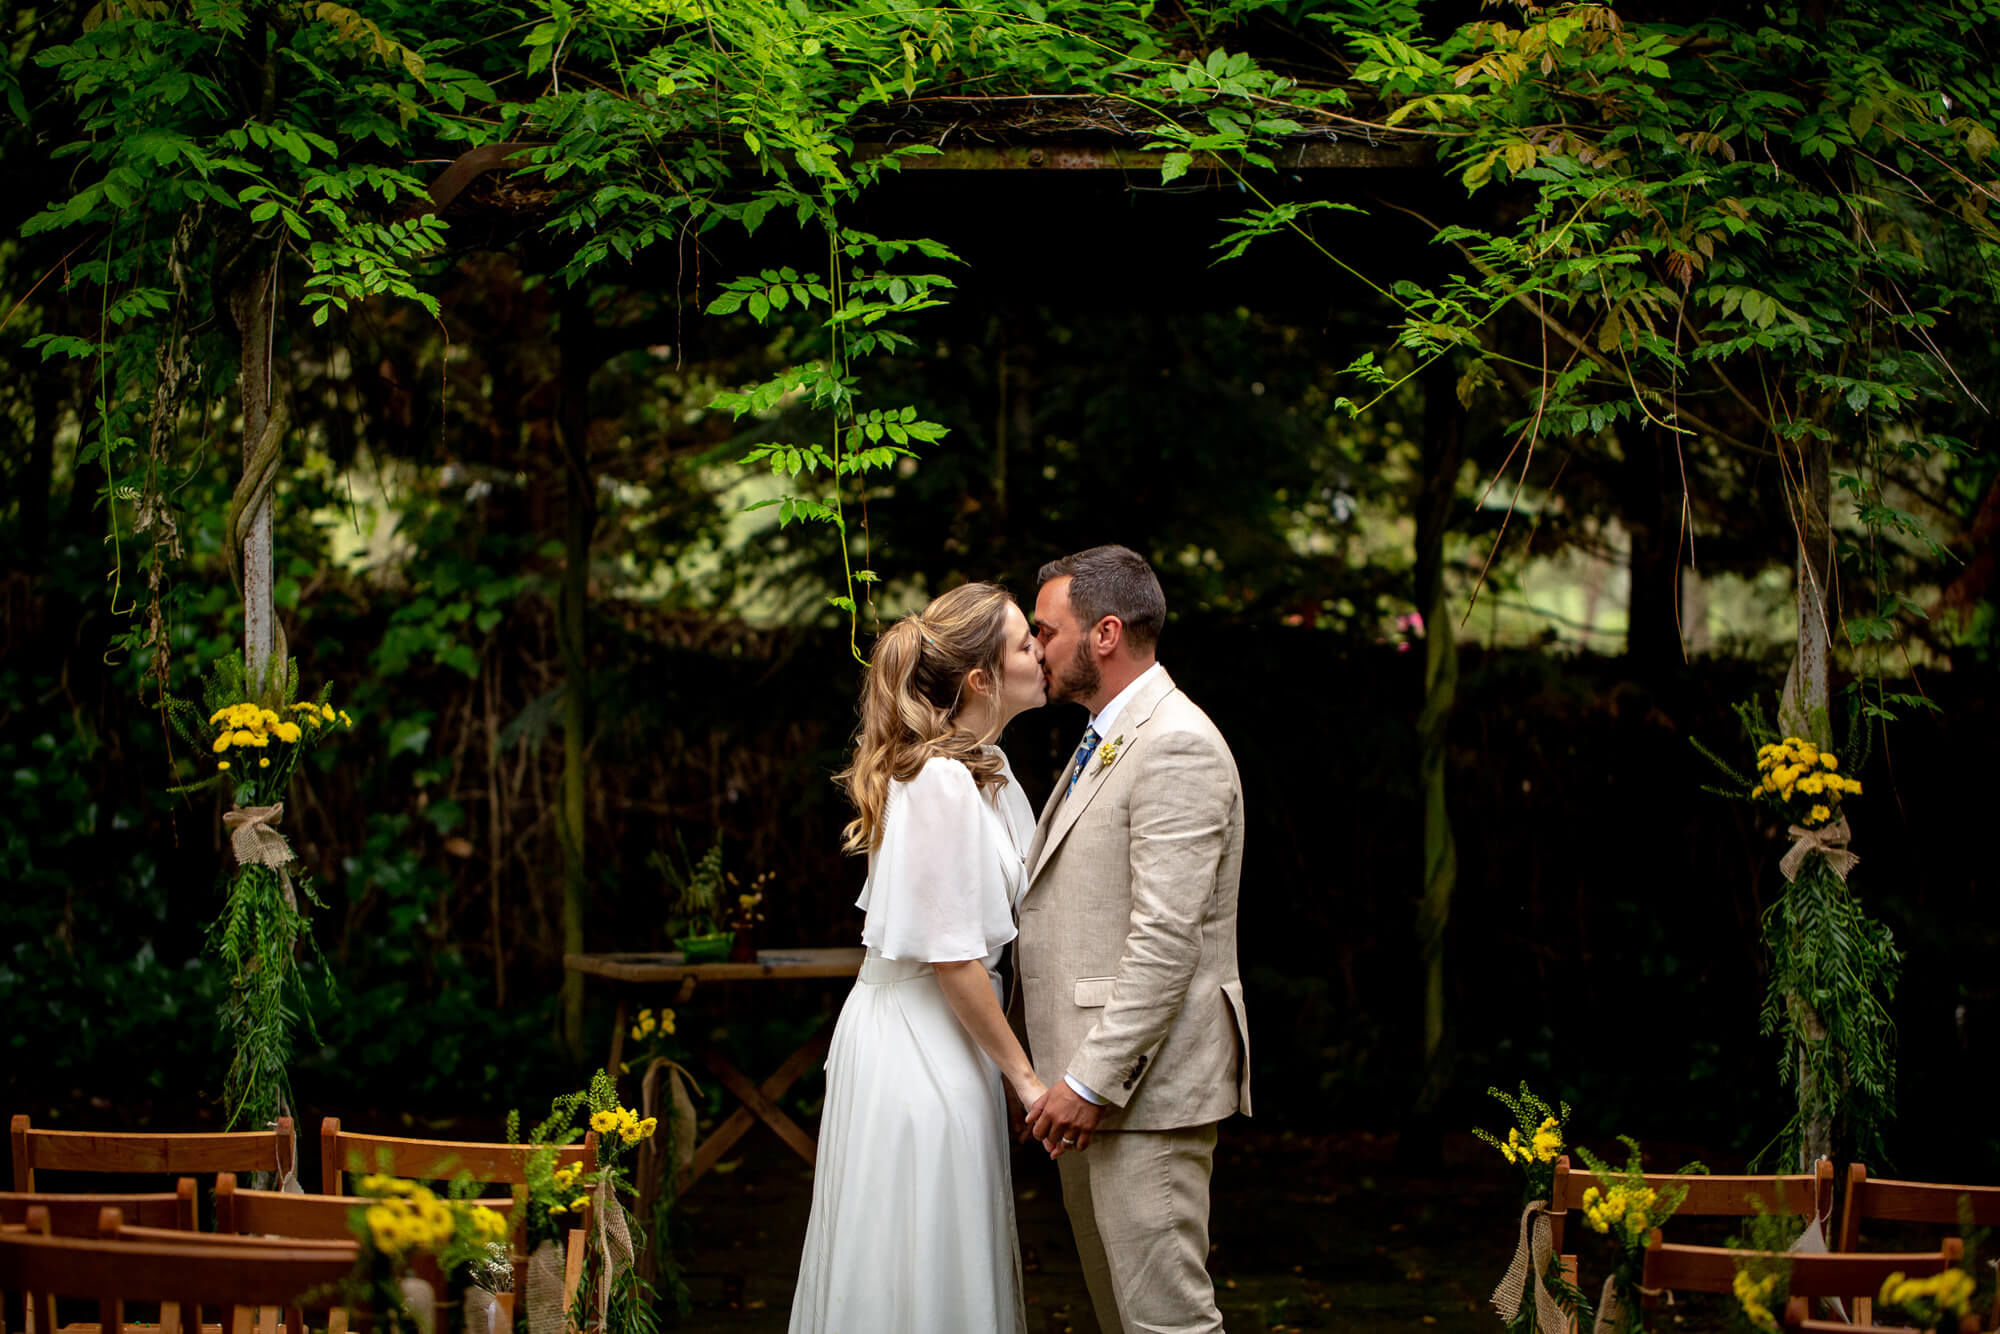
(1113,581)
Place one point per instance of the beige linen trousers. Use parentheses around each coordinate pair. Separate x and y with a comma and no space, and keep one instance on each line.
(1129,982)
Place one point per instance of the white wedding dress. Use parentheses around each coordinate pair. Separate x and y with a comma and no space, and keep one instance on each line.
(912,1228)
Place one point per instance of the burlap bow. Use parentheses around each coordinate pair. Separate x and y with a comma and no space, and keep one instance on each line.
(1531,1261)
(1829,841)
(253,833)
(614,1243)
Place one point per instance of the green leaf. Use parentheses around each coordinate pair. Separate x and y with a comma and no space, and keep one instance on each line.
(1175,166)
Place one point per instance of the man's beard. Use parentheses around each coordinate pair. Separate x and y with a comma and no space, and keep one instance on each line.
(1079,678)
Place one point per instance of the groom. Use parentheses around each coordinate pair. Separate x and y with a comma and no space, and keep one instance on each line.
(1127,951)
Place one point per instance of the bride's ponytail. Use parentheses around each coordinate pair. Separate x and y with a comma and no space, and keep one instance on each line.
(910,701)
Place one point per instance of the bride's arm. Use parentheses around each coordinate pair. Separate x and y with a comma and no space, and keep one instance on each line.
(970,992)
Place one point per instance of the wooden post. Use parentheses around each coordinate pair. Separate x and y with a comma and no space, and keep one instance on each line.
(577,360)
(252,303)
(1803,712)
(1443,454)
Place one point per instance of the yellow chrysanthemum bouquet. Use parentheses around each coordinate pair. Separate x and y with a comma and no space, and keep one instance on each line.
(1625,1207)
(1936,1302)
(247,744)
(1530,1302)
(250,746)
(1802,782)
(407,1231)
(562,1198)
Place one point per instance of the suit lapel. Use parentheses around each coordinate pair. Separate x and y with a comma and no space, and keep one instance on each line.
(1061,814)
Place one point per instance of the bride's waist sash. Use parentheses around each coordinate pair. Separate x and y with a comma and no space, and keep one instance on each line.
(877,971)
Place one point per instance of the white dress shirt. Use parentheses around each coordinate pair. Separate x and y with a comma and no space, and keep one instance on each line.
(1100,722)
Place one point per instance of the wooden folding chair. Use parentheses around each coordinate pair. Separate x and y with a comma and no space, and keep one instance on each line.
(111,1227)
(77,1216)
(185,1272)
(1676,1268)
(1707,1196)
(143,1152)
(1911,1202)
(342,1151)
(270,1214)
(444,1160)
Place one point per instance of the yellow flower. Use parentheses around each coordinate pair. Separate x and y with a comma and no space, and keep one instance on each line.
(1830,760)
(604,1122)
(222,766)
(1757,791)
(1812,785)
(306,706)
(579,1202)
(326,712)
(345,721)
(222,742)
(555,1210)
(1753,1295)
(1818,815)
(667,1022)
(263,764)
(288,732)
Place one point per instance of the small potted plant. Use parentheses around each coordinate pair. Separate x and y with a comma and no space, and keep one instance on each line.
(697,929)
(745,914)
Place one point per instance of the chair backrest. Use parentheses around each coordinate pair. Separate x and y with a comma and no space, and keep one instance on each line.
(186,1271)
(276,1213)
(1676,1268)
(1911,1202)
(341,1151)
(140,1152)
(1707,1196)
(77,1215)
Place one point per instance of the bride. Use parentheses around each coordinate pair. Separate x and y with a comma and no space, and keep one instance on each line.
(912,1228)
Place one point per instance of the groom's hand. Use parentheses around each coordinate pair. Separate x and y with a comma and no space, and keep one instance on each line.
(1062,1121)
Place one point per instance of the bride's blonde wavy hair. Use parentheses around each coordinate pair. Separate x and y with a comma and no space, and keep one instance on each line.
(911,698)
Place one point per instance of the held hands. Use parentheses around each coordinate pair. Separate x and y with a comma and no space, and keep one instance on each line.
(1062,1121)
(1022,1094)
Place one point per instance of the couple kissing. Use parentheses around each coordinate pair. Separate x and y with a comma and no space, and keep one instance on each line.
(1118,906)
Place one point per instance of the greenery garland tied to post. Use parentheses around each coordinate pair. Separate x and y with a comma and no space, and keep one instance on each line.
(254,747)
(1833,968)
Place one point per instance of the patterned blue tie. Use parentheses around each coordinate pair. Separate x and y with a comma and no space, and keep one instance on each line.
(1082,758)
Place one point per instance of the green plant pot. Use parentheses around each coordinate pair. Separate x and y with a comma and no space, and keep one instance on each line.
(712,948)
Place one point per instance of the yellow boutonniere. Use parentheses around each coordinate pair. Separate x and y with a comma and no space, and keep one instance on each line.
(1108,752)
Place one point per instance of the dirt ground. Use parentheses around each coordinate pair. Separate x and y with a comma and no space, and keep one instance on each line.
(1320,1233)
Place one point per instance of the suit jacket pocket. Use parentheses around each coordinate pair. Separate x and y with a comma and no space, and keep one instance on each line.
(1092,992)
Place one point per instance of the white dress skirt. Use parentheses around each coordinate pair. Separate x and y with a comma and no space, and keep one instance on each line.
(912,1228)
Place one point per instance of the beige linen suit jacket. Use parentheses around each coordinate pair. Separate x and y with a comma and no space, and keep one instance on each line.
(1127,946)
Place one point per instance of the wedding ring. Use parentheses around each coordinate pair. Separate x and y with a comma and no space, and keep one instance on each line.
(1068,1140)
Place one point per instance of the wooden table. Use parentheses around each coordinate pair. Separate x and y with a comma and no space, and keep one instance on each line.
(760,1101)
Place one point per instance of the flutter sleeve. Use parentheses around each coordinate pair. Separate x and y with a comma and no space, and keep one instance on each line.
(937,890)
